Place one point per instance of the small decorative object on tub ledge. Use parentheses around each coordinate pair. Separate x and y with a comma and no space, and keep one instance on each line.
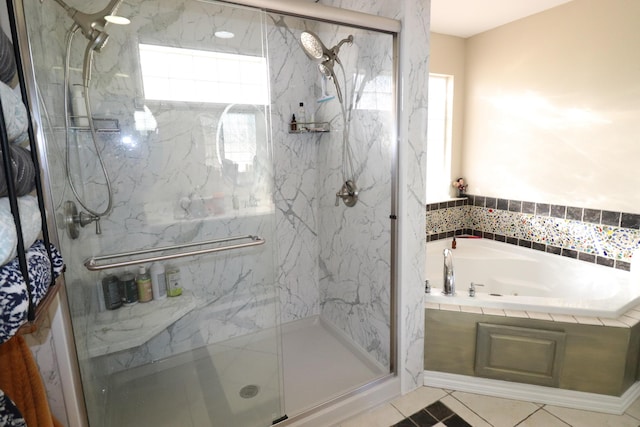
(460,185)
(427,287)
(454,243)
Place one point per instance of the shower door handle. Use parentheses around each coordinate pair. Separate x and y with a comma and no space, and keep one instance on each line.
(93,264)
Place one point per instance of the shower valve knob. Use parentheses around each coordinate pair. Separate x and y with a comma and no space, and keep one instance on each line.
(348,193)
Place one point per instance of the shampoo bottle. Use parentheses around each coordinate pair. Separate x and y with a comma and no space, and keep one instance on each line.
(302,118)
(158,281)
(79,108)
(143,281)
(174,286)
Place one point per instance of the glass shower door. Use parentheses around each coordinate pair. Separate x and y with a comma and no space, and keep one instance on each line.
(179,117)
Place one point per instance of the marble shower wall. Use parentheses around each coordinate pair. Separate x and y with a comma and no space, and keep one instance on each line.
(412,110)
(295,158)
(355,255)
(335,261)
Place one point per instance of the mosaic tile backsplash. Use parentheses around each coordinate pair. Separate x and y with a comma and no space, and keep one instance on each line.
(598,236)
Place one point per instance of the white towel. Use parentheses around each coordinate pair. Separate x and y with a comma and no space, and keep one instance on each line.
(15,115)
(31,225)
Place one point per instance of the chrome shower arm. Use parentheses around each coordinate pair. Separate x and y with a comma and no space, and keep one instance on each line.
(65,6)
(336,48)
(92,24)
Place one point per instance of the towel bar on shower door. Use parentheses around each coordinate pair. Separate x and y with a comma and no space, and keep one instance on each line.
(93,263)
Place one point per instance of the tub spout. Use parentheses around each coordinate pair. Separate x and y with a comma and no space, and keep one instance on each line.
(449,282)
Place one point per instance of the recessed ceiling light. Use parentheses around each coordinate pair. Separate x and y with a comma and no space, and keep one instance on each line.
(224,34)
(118,20)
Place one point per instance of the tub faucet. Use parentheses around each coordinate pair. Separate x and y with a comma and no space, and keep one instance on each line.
(449,282)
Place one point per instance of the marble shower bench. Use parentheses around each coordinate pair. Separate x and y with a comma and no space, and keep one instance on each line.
(130,326)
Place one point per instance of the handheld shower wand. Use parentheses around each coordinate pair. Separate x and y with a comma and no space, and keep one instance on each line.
(92,25)
(326,59)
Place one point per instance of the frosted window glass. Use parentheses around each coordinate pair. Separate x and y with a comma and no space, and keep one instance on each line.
(202,76)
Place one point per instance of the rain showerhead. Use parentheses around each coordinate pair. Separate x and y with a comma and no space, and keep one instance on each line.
(326,58)
(317,51)
(92,24)
(313,47)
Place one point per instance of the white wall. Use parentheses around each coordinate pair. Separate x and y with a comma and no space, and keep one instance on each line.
(552,107)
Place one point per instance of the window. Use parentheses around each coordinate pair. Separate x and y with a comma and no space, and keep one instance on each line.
(176,74)
(238,140)
(438,181)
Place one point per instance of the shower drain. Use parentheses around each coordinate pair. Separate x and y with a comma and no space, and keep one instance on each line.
(249,391)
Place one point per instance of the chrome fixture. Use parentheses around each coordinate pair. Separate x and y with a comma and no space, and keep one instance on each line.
(73,219)
(326,59)
(472,289)
(449,281)
(93,263)
(348,193)
(92,26)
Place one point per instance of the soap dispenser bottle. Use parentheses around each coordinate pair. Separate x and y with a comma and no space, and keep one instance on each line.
(302,117)
(294,124)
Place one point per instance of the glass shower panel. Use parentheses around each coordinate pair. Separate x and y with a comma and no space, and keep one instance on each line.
(179,100)
(335,267)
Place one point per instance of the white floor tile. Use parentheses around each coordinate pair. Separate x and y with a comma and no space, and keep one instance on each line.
(543,418)
(384,416)
(580,418)
(412,402)
(634,410)
(464,412)
(497,411)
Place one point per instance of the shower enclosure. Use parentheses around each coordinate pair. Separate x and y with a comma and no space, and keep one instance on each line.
(287,298)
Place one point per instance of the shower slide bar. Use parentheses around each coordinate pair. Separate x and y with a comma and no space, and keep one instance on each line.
(93,263)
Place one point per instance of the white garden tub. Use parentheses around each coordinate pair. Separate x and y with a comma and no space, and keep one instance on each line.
(517,278)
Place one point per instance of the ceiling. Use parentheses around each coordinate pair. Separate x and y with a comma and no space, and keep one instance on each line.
(465,18)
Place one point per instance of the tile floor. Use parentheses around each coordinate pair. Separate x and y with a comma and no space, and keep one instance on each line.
(428,406)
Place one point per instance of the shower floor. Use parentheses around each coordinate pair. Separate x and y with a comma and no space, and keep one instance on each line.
(203,387)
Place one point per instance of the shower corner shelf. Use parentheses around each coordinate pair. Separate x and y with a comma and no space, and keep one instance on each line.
(100,124)
(311,127)
(127,327)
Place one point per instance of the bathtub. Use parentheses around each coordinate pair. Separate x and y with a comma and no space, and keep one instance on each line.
(516,278)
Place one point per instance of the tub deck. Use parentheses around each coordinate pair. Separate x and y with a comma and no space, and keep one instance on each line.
(522,282)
